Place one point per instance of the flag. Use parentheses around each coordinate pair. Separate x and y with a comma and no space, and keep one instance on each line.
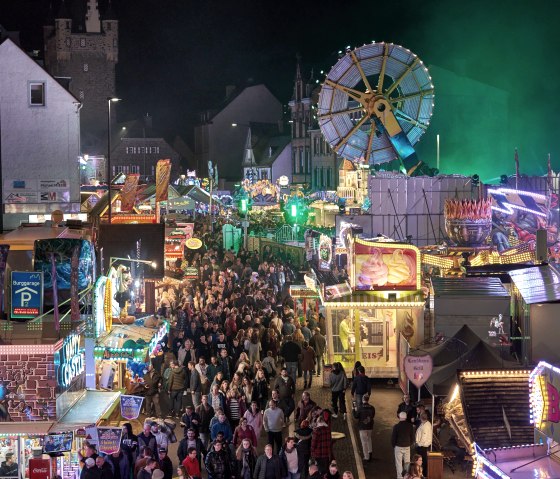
(128,192)
(55,293)
(74,279)
(506,422)
(516,167)
(163,172)
(4,249)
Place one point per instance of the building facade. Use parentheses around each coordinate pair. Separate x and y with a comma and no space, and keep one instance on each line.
(39,138)
(222,134)
(267,155)
(82,49)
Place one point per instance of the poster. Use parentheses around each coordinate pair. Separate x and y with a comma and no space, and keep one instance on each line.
(163,173)
(128,192)
(385,267)
(109,439)
(131,406)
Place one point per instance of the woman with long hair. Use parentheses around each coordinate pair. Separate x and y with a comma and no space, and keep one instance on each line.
(415,468)
(244,431)
(260,390)
(254,348)
(247,389)
(245,459)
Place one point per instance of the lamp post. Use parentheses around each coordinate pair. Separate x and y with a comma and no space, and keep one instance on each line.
(109,101)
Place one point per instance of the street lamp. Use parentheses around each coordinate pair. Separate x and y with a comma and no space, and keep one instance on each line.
(109,101)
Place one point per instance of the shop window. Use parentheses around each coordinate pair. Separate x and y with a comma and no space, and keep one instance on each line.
(36,93)
(344,340)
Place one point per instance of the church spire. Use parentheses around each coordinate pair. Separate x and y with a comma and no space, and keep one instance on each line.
(298,87)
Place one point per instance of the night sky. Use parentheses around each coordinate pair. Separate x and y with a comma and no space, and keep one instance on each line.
(177,56)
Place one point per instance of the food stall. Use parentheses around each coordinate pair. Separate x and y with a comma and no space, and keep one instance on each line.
(304,298)
(385,300)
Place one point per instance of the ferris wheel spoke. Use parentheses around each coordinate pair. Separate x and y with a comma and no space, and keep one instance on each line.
(401,115)
(401,78)
(412,95)
(349,135)
(359,96)
(382,72)
(349,111)
(370,142)
(361,70)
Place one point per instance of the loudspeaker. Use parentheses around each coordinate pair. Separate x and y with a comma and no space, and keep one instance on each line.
(541,251)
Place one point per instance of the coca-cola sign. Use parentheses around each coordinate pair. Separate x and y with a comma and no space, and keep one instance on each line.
(39,469)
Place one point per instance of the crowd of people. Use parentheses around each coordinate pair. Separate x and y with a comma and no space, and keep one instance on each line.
(228,373)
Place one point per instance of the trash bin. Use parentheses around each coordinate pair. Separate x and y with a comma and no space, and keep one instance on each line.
(327,368)
(435,465)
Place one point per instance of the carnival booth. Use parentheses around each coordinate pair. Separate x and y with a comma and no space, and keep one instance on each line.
(304,298)
(385,300)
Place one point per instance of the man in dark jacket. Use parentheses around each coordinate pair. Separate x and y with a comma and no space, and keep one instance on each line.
(152,381)
(319,343)
(366,415)
(165,464)
(304,407)
(9,467)
(105,467)
(190,420)
(194,384)
(401,441)
(121,466)
(291,352)
(176,386)
(90,470)
(147,440)
(360,386)
(147,471)
(268,465)
(286,388)
(217,462)
(408,408)
(190,440)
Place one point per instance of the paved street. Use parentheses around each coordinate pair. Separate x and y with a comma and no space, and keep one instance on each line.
(347,451)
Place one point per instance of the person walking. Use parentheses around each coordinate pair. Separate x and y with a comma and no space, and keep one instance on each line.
(286,388)
(152,380)
(268,465)
(304,407)
(273,421)
(424,435)
(245,460)
(402,439)
(319,344)
(192,464)
(147,440)
(366,415)
(205,413)
(361,385)
(289,457)
(291,353)
(175,387)
(254,419)
(194,384)
(307,364)
(337,382)
(321,444)
(217,462)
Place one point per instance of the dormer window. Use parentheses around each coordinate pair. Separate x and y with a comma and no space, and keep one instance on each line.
(36,94)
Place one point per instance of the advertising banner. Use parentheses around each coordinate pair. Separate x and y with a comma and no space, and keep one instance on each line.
(385,267)
(163,173)
(128,192)
(109,439)
(39,469)
(74,276)
(27,294)
(131,406)
(418,369)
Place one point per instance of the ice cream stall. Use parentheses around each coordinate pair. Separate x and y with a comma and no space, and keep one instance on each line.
(385,299)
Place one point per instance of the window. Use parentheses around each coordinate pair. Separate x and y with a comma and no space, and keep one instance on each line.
(108,26)
(264,174)
(135,169)
(82,42)
(37,94)
(301,164)
(86,67)
(316,184)
(328,178)
(81,95)
(68,41)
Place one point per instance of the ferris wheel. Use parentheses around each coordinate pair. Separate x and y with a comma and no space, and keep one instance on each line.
(375,104)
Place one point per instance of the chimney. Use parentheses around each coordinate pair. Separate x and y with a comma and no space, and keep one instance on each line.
(229,90)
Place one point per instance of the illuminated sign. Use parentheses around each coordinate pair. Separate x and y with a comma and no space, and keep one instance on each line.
(506,200)
(385,267)
(325,253)
(544,387)
(27,294)
(71,360)
(162,331)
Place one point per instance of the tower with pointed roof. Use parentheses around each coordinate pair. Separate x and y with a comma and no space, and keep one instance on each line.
(81,49)
(301,121)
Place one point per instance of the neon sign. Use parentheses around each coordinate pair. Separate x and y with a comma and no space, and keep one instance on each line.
(507,200)
(544,387)
(71,360)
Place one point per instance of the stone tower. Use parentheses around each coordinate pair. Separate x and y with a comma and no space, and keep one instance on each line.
(301,121)
(81,50)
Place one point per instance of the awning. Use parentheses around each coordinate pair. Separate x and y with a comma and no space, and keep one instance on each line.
(540,284)
(25,427)
(89,409)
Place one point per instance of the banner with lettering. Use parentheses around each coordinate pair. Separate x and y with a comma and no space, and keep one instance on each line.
(56,313)
(131,406)
(109,439)
(4,249)
(128,192)
(74,276)
(163,173)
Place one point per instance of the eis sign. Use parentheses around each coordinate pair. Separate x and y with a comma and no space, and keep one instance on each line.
(70,361)
(544,384)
